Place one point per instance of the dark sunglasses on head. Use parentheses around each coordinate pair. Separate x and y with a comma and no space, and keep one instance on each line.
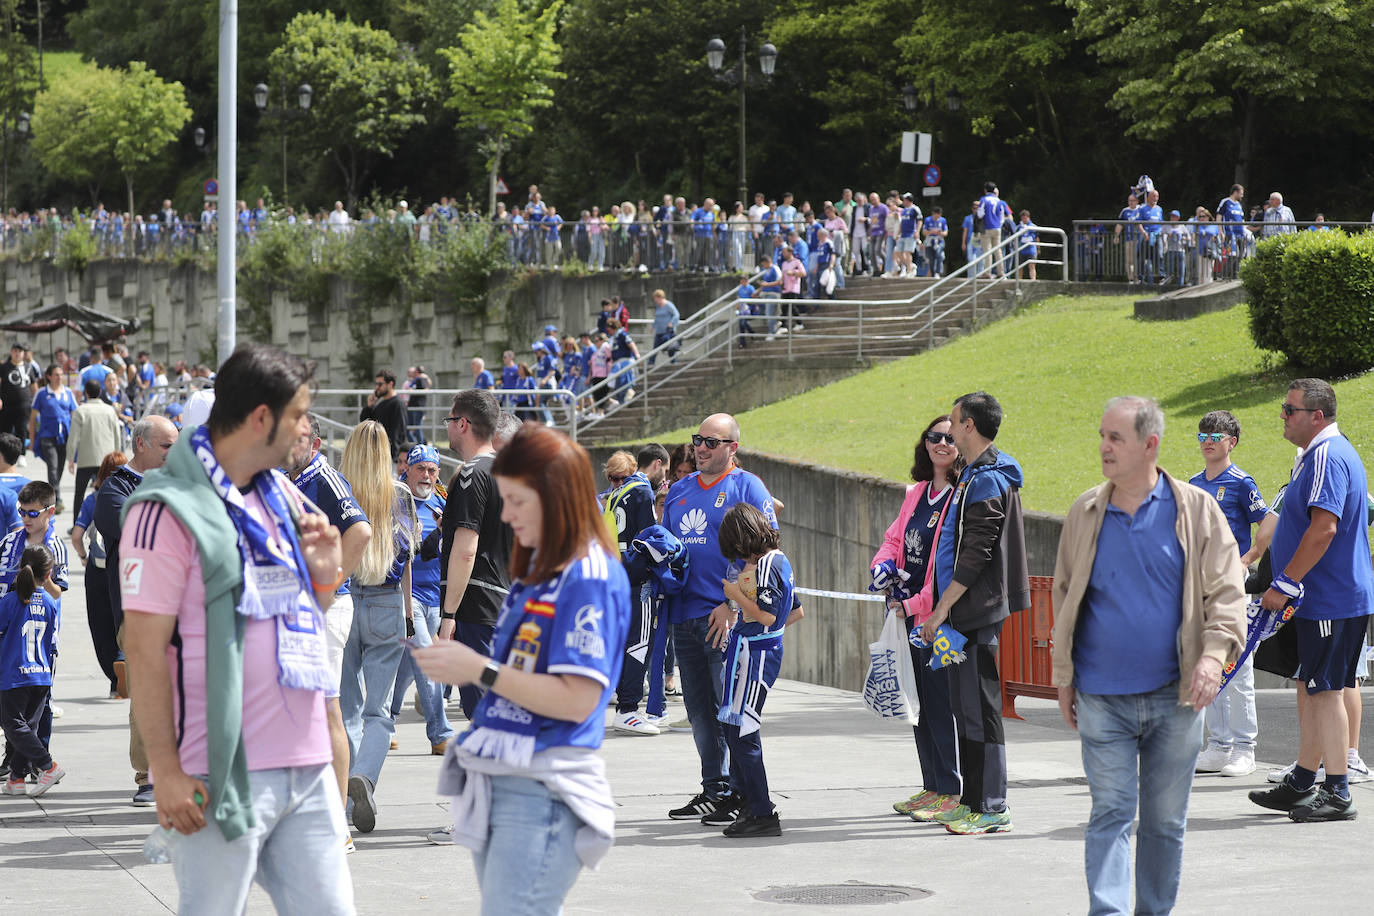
(1289,409)
(937,438)
(33,513)
(708,441)
(1211,437)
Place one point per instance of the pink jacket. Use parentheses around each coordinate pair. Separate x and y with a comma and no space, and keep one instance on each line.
(792,273)
(919,606)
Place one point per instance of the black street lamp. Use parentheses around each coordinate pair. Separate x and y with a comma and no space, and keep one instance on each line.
(304,95)
(740,75)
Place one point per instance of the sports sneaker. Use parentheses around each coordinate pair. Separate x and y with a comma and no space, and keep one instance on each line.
(728,810)
(144,798)
(48,778)
(1326,806)
(349,848)
(15,787)
(1281,775)
(360,790)
(750,826)
(681,725)
(1283,797)
(441,837)
(919,800)
(1241,762)
(632,723)
(1355,769)
(55,710)
(943,809)
(1212,759)
(658,722)
(981,822)
(700,806)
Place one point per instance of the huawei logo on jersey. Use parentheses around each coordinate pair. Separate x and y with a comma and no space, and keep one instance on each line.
(694,522)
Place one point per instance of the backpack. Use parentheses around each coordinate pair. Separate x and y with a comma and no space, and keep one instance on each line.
(614,516)
(623,315)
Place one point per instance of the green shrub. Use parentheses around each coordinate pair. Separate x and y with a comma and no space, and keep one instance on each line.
(75,249)
(1262,278)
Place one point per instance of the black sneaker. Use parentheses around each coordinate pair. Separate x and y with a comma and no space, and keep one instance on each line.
(754,826)
(700,805)
(360,791)
(727,811)
(1283,797)
(1327,806)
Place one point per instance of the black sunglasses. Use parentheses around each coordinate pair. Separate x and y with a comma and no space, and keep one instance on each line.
(708,441)
(453,419)
(937,438)
(1289,409)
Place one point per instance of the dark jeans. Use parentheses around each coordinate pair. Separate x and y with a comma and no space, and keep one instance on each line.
(55,457)
(937,742)
(477,637)
(101,621)
(700,665)
(975,693)
(640,637)
(85,476)
(21,708)
(746,769)
(660,340)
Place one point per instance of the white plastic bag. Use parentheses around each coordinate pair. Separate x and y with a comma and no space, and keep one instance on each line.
(890,686)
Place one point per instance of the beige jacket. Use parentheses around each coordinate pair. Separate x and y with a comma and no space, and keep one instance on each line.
(1214,601)
(95,432)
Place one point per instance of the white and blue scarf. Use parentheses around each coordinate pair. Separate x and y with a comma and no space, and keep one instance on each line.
(746,680)
(276,584)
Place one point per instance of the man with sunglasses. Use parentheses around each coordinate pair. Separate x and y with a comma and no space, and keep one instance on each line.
(1232,723)
(700,615)
(1320,557)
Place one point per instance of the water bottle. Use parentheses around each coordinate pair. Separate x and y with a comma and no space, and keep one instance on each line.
(157,849)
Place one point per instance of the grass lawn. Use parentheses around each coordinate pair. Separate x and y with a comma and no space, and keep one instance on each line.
(57,64)
(1053,365)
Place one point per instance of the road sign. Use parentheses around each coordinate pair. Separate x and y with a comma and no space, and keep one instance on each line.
(211,186)
(915,147)
(930,192)
(931,176)
(501,186)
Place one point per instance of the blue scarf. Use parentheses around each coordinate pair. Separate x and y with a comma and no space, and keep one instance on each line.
(947,649)
(1262,624)
(276,585)
(746,679)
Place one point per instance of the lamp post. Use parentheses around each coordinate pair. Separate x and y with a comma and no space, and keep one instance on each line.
(20,130)
(715,59)
(304,95)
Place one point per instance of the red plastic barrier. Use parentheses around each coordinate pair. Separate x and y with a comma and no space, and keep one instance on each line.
(1023,658)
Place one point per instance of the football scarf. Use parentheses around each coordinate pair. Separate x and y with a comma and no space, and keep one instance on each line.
(746,681)
(503,730)
(1261,625)
(276,584)
(946,649)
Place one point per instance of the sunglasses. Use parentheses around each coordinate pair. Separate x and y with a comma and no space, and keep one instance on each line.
(937,438)
(1211,437)
(1289,409)
(33,513)
(453,419)
(708,441)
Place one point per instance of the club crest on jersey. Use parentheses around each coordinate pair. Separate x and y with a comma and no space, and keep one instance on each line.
(934,517)
(586,637)
(525,650)
(720,499)
(1221,493)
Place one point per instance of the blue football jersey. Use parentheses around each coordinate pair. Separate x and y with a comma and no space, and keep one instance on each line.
(1239,498)
(28,639)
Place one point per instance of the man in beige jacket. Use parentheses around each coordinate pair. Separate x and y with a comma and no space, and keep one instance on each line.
(1149,606)
(96,431)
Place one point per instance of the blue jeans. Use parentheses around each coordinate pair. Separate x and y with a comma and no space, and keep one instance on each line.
(431,698)
(295,851)
(371,657)
(701,665)
(530,861)
(1137,748)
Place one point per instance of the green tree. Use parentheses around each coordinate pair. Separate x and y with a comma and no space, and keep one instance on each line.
(145,114)
(369,91)
(501,73)
(1231,64)
(71,128)
(16,89)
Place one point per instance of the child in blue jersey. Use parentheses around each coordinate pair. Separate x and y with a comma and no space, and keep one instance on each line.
(759,587)
(29,621)
(1232,724)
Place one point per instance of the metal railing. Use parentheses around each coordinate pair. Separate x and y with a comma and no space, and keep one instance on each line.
(555,406)
(1175,253)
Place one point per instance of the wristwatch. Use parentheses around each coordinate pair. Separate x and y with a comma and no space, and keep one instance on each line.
(488,676)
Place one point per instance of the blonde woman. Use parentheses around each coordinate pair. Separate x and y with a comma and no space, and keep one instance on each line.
(382,614)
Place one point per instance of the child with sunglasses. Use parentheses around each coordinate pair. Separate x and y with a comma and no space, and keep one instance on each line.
(37,506)
(1232,725)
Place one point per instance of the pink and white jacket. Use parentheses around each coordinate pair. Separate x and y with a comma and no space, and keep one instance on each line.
(919,606)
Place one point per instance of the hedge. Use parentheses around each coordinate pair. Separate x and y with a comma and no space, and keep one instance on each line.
(1312,298)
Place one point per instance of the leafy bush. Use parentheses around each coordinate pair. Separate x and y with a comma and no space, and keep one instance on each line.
(1316,300)
(75,250)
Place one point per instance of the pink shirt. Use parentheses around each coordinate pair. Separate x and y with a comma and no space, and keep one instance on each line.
(792,272)
(160,574)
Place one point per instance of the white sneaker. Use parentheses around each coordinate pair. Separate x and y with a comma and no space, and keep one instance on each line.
(1355,769)
(658,722)
(770,338)
(632,723)
(782,332)
(1281,775)
(1212,759)
(56,710)
(1241,762)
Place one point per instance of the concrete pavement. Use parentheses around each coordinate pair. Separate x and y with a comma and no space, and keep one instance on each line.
(834,769)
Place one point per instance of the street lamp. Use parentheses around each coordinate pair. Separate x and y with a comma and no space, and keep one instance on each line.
(740,75)
(304,95)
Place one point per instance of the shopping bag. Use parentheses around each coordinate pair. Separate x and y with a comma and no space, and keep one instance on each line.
(890,686)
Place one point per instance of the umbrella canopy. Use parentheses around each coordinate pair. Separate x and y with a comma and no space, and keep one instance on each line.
(96,327)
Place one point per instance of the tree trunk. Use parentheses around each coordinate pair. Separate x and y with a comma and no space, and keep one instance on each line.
(1247,140)
(493,177)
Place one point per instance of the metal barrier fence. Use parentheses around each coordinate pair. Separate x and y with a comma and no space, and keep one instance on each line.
(1176,253)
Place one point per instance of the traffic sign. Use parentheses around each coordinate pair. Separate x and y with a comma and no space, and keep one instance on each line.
(915,147)
(930,192)
(931,176)
(211,186)
(501,186)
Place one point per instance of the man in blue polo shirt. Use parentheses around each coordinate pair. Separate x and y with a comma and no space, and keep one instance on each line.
(990,208)
(1321,557)
(1128,236)
(1232,723)
(1152,215)
(904,261)
(699,613)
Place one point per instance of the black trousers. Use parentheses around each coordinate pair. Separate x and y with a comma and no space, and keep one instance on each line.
(639,639)
(100,620)
(55,457)
(21,709)
(85,476)
(975,694)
